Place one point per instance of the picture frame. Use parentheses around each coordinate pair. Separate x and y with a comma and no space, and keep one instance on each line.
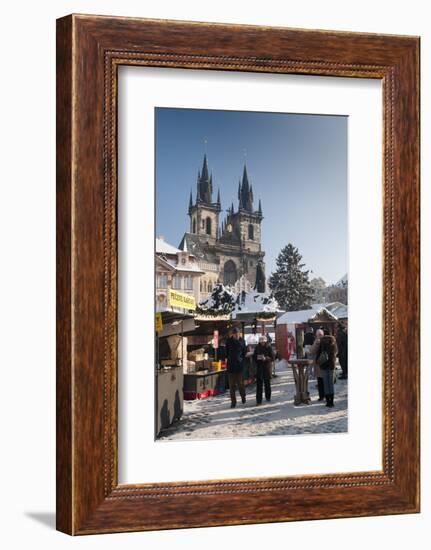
(89,51)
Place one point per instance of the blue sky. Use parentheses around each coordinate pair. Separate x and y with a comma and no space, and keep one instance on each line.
(296,163)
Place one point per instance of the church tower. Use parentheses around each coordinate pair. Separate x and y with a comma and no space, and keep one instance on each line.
(247,221)
(204,213)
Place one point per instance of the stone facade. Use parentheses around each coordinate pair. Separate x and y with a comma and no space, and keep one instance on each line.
(227,250)
(176,269)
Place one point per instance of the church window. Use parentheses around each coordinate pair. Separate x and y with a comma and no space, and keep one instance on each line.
(251,232)
(176,282)
(208,226)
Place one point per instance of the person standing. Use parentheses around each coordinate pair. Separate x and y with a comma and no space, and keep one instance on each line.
(342,350)
(317,373)
(309,337)
(263,356)
(235,353)
(325,358)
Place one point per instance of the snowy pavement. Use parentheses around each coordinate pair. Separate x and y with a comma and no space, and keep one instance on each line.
(213,418)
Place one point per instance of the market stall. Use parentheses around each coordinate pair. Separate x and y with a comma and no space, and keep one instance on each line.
(256,312)
(171,355)
(292,326)
(205,371)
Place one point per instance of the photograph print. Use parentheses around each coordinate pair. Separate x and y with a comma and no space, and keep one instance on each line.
(251,274)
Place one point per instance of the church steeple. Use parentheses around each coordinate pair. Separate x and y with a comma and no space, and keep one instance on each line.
(204,184)
(245,193)
(204,175)
(191,201)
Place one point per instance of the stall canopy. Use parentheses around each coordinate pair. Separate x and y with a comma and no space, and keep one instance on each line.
(250,305)
(313,315)
(338,309)
(174,322)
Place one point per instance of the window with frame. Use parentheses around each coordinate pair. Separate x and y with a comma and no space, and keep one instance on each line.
(188,282)
(251,232)
(162,281)
(176,282)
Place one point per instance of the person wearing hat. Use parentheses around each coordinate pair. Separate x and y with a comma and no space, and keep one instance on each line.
(263,356)
(235,353)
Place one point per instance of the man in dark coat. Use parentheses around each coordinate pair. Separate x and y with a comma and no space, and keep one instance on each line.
(263,356)
(235,353)
(342,349)
(325,358)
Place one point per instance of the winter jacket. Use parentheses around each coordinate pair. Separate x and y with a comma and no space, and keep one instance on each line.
(328,344)
(313,353)
(235,353)
(265,350)
(308,339)
(342,344)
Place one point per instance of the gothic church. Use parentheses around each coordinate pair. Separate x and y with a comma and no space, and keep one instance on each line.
(228,250)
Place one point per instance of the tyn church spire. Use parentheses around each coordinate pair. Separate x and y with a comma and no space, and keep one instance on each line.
(204,184)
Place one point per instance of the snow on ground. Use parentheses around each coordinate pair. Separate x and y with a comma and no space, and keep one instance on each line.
(213,418)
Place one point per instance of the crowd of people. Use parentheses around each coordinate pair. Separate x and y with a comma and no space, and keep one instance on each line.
(321,348)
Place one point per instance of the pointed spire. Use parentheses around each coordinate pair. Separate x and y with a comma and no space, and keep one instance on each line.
(245,178)
(231,208)
(246,200)
(260,208)
(198,187)
(204,175)
(218,197)
(191,200)
(204,184)
(239,190)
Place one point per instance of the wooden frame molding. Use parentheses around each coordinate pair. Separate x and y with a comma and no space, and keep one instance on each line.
(89,51)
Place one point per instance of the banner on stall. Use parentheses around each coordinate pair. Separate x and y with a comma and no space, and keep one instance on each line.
(181,300)
(159,322)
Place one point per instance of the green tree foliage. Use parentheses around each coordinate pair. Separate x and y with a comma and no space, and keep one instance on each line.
(289,283)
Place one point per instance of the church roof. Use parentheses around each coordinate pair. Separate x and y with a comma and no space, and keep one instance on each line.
(194,245)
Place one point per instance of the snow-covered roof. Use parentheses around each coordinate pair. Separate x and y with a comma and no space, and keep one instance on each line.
(162,247)
(255,302)
(340,311)
(220,300)
(336,308)
(303,316)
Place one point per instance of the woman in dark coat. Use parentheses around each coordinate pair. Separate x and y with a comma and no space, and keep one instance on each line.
(325,358)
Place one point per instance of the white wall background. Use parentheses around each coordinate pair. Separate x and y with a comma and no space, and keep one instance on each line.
(27,233)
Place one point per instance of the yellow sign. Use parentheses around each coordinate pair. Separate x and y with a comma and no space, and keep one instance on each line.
(178,299)
(159,322)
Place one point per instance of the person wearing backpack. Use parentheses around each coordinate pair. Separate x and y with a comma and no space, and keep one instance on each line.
(325,359)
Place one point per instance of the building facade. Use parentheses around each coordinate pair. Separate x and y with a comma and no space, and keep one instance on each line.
(227,247)
(175,269)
